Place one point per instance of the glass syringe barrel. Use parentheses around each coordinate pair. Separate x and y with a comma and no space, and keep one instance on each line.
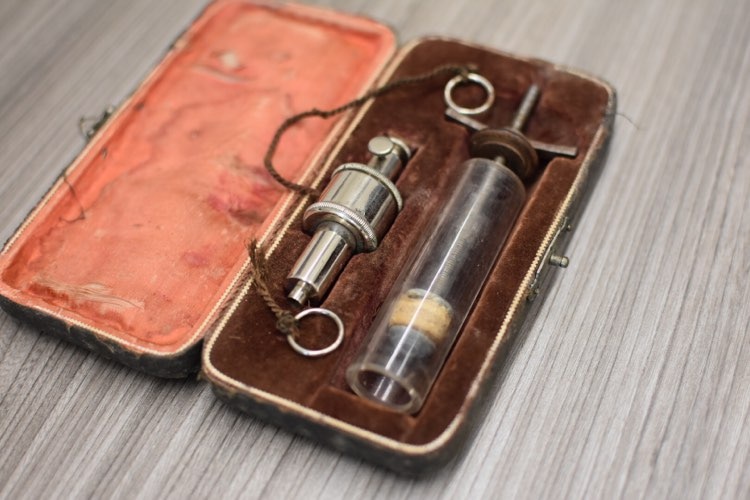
(426,309)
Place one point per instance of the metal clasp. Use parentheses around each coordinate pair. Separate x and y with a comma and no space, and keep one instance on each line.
(551,258)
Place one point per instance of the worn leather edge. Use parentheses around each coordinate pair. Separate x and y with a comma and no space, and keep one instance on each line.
(179,365)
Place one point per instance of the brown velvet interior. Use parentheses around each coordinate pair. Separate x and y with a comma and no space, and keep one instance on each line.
(150,228)
(570,111)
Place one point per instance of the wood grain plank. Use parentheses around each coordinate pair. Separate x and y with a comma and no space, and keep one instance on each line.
(632,380)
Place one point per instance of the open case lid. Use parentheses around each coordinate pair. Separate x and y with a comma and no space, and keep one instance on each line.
(137,246)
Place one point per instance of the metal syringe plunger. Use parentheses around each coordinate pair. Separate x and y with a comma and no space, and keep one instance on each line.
(353,213)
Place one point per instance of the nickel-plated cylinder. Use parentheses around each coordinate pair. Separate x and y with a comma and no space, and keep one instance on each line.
(352,215)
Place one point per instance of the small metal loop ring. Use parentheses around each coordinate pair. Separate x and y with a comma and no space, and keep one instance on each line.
(466,79)
(314,353)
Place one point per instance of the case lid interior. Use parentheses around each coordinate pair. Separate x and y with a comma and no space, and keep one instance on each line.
(141,240)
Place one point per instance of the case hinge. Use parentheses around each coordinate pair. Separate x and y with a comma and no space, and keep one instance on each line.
(90,125)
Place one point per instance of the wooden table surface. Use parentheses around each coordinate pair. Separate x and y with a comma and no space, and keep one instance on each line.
(633,380)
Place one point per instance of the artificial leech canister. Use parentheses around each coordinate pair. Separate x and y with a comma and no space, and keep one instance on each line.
(354,212)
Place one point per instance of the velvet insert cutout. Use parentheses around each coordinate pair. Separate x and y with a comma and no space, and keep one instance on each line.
(252,365)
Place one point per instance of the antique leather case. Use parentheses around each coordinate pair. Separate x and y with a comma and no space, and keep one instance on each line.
(190,171)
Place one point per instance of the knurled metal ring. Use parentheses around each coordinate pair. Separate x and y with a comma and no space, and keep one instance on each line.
(469,78)
(314,353)
(366,238)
